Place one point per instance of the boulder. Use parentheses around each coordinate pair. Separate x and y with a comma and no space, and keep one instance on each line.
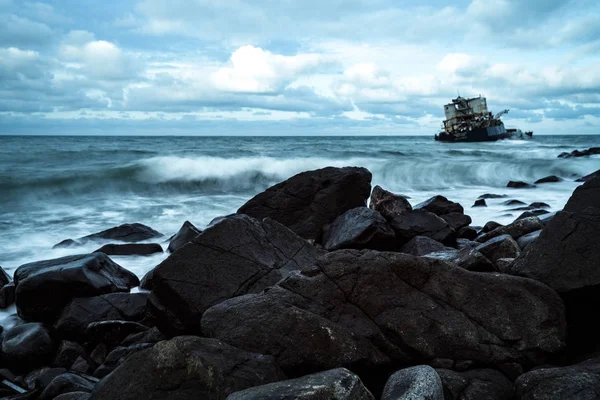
(7,295)
(415,383)
(422,223)
(565,257)
(503,264)
(576,382)
(480,203)
(490,226)
(187,367)
(387,203)
(476,384)
(359,228)
(527,239)
(40,378)
(440,205)
(27,346)
(66,383)
(539,204)
(310,200)
(516,229)
(80,312)
(467,232)
(467,258)
(335,384)
(513,203)
(503,246)
(519,185)
(362,309)
(186,233)
(66,244)
(129,233)
(45,287)
(239,255)
(68,352)
(132,249)
(73,396)
(152,335)
(421,245)
(117,357)
(546,218)
(4,277)
(589,177)
(456,220)
(112,332)
(532,213)
(580,153)
(548,179)
(492,196)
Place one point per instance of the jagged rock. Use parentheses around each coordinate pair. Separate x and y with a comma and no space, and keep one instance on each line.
(187,367)
(476,384)
(133,249)
(456,220)
(68,352)
(565,257)
(580,153)
(125,233)
(440,205)
(45,287)
(112,332)
(388,204)
(359,228)
(186,233)
(239,255)
(82,365)
(152,335)
(416,383)
(576,382)
(308,201)
(503,246)
(467,258)
(117,357)
(519,185)
(219,219)
(422,223)
(67,243)
(467,232)
(421,245)
(589,177)
(504,264)
(80,312)
(66,383)
(548,179)
(516,229)
(27,346)
(492,196)
(4,277)
(513,203)
(335,384)
(527,239)
(539,204)
(7,295)
(362,308)
(480,203)
(490,226)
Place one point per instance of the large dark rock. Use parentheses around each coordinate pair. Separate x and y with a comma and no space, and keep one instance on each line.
(125,233)
(565,257)
(359,228)
(422,223)
(576,382)
(66,383)
(7,295)
(186,233)
(532,213)
(548,179)
(112,332)
(480,203)
(308,201)
(68,352)
(515,229)
(526,240)
(239,255)
(45,287)
(492,196)
(4,277)
(421,245)
(133,249)
(152,335)
(117,357)
(503,246)
(27,346)
(440,205)
(476,384)
(519,185)
(415,383)
(467,258)
(362,309)
(580,153)
(80,312)
(335,384)
(589,177)
(490,226)
(456,220)
(387,203)
(187,367)
(513,203)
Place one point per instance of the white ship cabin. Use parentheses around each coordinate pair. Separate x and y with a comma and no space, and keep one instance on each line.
(461,107)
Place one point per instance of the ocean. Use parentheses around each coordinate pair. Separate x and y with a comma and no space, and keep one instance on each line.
(54,188)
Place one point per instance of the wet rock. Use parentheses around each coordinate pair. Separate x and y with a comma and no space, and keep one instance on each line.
(66,383)
(422,223)
(4,277)
(45,287)
(565,257)
(359,228)
(440,205)
(310,200)
(67,243)
(513,203)
(335,384)
(421,245)
(580,153)
(519,185)
(480,203)
(581,381)
(135,249)
(532,213)
(476,384)
(416,383)
(187,367)
(589,177)
(129,233)
(7,295)
(548,179)
(152,335)
(80,312)
(40,378)
(490,226)
(117,357)
(503,246)
(492,196)
(388,204)
(539,204)
(99,354)
(112,332)
(515,230)
(546,218)
(239,255)
(186,233)
(365,308)
(27,346)
(527,239)
(467,258)
(504,264)
(467,232)
(68,352)
(456,220)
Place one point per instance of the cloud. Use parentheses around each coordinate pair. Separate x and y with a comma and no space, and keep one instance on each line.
(22,32)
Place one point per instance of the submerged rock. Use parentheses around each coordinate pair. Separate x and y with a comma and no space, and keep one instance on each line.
(416,383)
(136,249)
(125,233)
(388,204)
(589,177)
(519,184)
(580,153)
(67,243)
(186,233)
(359,228)
(308,201)
(513,203)
(480,203)
(492,196)
(549,179)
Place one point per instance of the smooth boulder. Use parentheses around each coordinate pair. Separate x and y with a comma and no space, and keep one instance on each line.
(527,239)
(45,287)
(387,203)
(519,185)
(129,233)
(66,383)
(439,205)
(359,228)
(416,383)
(186,233)
(548,179)
(422,223)
(7,295)
(456,220)
(480,203)
(27,346)
(308,201)
(132,249)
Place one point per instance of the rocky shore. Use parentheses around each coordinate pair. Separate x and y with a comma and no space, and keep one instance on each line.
(320,287)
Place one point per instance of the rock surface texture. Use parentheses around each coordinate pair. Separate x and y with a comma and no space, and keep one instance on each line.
(359,228)
(416,383)
(387,203)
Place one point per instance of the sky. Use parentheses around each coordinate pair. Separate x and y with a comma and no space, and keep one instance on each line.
(294,67)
